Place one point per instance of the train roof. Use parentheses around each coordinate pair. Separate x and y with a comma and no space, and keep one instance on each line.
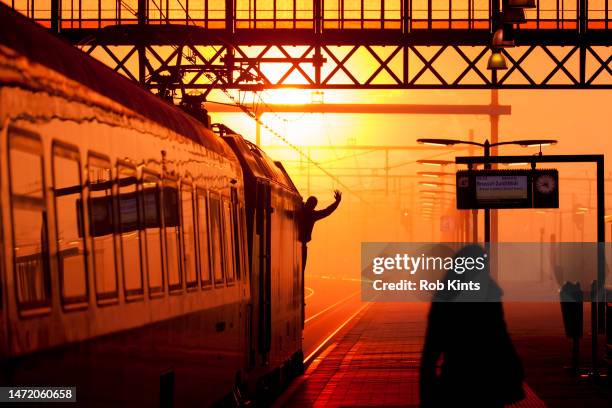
(38,45)
(256,163)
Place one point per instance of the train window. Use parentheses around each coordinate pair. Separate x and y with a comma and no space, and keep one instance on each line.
(68,195)
(172,233)
(216,250)
(202,228)
(152,233)
(189,253)
(228,241)
(129,237)
(102,226)
(29,216)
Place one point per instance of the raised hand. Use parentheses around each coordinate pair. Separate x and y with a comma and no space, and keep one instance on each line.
(337,195)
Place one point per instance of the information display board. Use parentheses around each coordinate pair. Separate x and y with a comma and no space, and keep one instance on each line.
(507,189)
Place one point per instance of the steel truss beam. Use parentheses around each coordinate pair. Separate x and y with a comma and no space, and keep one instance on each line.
(191,67)
(195,46)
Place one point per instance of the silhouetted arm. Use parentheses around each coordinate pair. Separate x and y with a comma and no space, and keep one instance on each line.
(326,211)
(317,215)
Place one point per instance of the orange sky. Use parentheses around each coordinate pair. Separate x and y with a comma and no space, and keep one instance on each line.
(579,119)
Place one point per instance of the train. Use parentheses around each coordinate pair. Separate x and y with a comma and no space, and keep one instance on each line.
(147,258)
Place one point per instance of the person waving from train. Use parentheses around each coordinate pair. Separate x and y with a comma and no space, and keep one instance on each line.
(309,216)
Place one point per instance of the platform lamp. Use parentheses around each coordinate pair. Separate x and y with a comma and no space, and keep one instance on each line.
(433,174)
(513,12)
(434,184)
(435,163)
(497,61)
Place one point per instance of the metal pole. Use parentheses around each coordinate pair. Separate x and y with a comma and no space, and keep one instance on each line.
(474,212)
(487,212)
(601,239)
(494,119)
(594,345)
(55,16)
(493,214)
(142,55)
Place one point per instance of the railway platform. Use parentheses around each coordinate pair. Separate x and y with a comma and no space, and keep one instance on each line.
(374,361)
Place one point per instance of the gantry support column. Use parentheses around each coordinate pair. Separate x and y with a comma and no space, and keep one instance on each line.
(142,57)
(55,16)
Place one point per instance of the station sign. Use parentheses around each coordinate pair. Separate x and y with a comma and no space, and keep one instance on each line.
(525,188)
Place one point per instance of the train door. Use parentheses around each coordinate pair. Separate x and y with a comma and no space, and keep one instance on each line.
(261,279)
(244,329)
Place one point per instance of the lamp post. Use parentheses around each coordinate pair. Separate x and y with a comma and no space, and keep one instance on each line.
(487,153)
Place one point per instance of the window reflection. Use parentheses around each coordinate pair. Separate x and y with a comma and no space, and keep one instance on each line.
(129,221)
(68,193)
(101,224)
(152,232)
(189,248)
(29,216)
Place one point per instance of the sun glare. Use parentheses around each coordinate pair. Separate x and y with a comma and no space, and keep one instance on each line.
(289,96)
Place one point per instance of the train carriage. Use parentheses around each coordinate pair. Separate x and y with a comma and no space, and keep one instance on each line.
(133,264)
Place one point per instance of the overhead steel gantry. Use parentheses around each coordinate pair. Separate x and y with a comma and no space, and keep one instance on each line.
(190,45)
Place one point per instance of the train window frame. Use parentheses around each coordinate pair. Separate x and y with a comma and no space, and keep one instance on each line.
(71,152)
(236,235)
(32,143)
(215,196)
(244,254)
(131,295)
(229,268)
(103,161)
(153,176)
(202,192)
(189,285)
(172,182)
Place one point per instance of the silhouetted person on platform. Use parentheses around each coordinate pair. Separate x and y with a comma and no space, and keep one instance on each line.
(309,216)
(466,331)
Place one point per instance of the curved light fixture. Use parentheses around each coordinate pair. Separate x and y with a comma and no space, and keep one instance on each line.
(433,174)
(434,184)
(438,142)
(515,164)
(535,142)
(438,163)
(435,192)
(500,40)
(497,61)
(426,184)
